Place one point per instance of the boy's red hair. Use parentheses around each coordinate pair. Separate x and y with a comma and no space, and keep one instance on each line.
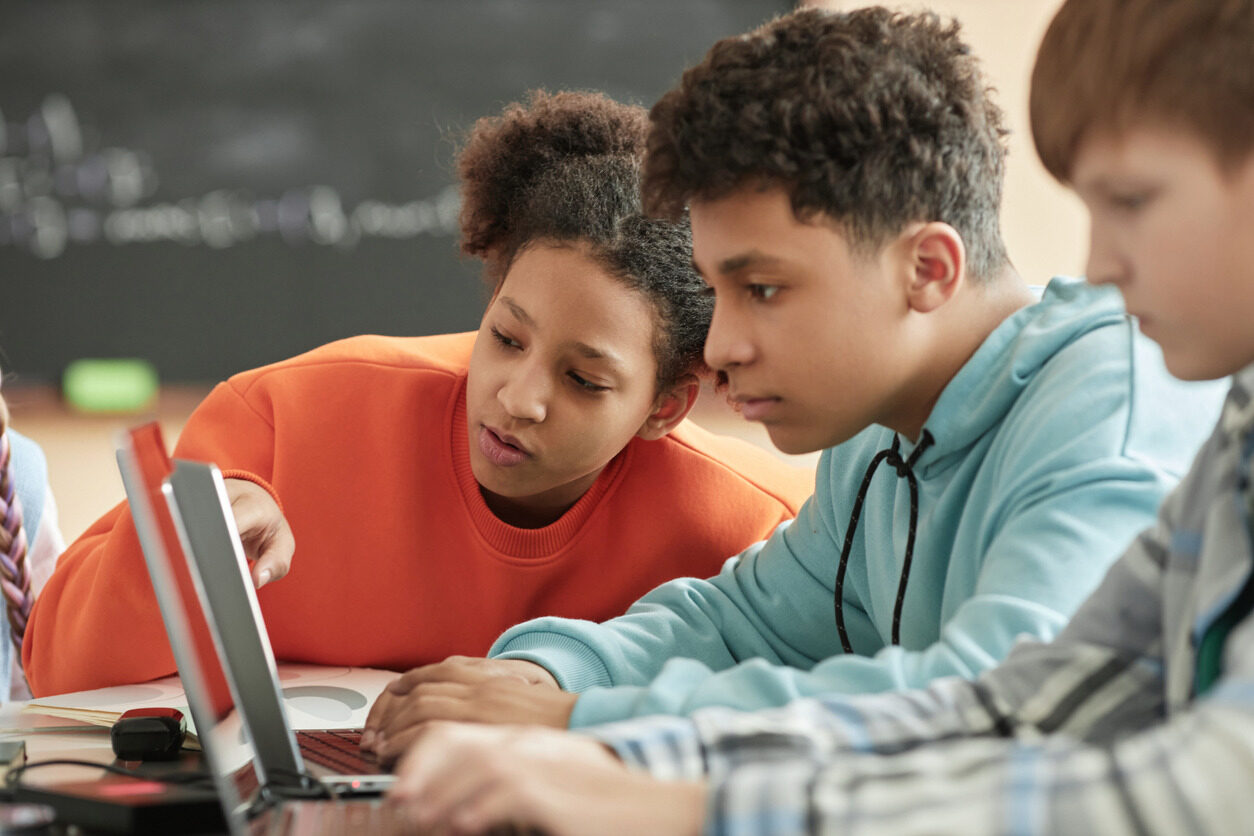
(1109,64)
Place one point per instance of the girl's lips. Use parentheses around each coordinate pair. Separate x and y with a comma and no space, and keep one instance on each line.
(498,451)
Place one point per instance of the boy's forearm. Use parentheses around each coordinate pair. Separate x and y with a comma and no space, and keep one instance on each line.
(1178,777)
(718,621)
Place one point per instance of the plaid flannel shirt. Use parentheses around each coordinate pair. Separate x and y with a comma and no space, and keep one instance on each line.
(1100,731)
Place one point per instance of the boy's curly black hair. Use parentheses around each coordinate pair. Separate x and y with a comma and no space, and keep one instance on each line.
(871,117)
(564,169)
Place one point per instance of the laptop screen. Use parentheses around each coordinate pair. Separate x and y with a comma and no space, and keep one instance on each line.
(150,465)
(144,465)
(219,568)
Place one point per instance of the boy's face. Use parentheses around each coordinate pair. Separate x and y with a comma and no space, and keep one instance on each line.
(1175,233)
(808,334)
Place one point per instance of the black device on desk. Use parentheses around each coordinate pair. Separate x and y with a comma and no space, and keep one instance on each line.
(149,734)
(116,804)
(165,797)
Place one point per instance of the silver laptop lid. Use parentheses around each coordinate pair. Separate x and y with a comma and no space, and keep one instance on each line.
(142,461)
(206,525)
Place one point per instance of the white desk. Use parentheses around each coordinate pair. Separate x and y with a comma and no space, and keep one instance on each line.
(314,697)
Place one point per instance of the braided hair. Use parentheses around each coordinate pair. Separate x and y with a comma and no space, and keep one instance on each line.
(15,578)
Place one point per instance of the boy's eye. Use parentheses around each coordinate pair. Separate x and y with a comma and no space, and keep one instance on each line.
(508,342)
(762,291)
(1131,201)
(585,384)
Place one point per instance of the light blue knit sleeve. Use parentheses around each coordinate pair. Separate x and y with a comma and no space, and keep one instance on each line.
(718,621)
(1072,479)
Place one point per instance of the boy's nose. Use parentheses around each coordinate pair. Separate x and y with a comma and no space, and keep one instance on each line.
(1103,266)
(726,344)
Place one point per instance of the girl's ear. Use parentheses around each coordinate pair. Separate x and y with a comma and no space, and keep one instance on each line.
(671,407)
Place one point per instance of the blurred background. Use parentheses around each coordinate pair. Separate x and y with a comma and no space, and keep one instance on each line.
(211,186)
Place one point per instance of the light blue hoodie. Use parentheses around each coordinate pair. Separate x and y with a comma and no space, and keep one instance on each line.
(1052,448)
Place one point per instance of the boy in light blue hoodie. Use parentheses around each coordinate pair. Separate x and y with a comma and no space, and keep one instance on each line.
(988,455)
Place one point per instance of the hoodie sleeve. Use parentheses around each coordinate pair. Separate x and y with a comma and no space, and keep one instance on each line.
(1019,593)
(96,622)
(718,622)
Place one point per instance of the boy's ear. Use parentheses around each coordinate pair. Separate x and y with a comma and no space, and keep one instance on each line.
(671,407)
(937,265)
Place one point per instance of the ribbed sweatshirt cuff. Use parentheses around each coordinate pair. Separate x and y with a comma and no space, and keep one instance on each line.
(258,481)
(607,705)
(574,665)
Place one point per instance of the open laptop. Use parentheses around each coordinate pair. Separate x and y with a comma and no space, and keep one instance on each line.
(184,523)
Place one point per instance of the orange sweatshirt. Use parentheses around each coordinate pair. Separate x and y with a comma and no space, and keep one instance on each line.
(398,560)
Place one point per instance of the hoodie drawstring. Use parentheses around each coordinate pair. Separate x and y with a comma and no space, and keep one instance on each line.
(904,467)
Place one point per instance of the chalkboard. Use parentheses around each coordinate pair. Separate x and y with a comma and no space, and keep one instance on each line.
(217,185)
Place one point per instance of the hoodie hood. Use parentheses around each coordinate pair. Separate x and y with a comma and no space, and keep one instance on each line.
(987,386)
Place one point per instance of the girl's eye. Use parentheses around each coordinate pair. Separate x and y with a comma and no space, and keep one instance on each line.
(586,385)
(762,291)
(508,342)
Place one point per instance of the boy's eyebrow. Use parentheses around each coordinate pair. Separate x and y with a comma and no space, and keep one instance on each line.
(753,258)
(1106,182)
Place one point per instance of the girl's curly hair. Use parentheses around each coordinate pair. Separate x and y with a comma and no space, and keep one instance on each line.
(564,169)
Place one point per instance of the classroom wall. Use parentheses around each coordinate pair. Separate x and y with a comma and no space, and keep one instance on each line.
(214,185)
(218,184)
(1043,224)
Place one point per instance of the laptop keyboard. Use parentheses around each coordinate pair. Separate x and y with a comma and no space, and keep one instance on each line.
(336,750)
(339,750)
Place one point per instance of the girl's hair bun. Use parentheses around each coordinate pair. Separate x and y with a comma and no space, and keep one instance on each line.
(551,167)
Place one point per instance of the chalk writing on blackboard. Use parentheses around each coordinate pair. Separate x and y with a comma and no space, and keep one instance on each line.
(58,190)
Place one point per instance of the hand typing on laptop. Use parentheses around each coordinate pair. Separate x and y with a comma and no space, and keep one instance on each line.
(463,778)
(464,688)
(263,530)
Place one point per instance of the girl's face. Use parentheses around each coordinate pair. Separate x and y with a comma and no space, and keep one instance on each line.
(562,376)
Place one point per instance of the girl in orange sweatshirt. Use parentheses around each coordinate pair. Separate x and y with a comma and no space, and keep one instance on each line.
(427,493)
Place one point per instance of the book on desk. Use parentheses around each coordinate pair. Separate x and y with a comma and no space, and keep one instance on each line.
(315,697)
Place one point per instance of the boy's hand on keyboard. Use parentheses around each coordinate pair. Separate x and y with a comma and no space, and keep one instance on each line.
(497,700)
(471,670)
(465,670)
(460,778)
(267,538)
